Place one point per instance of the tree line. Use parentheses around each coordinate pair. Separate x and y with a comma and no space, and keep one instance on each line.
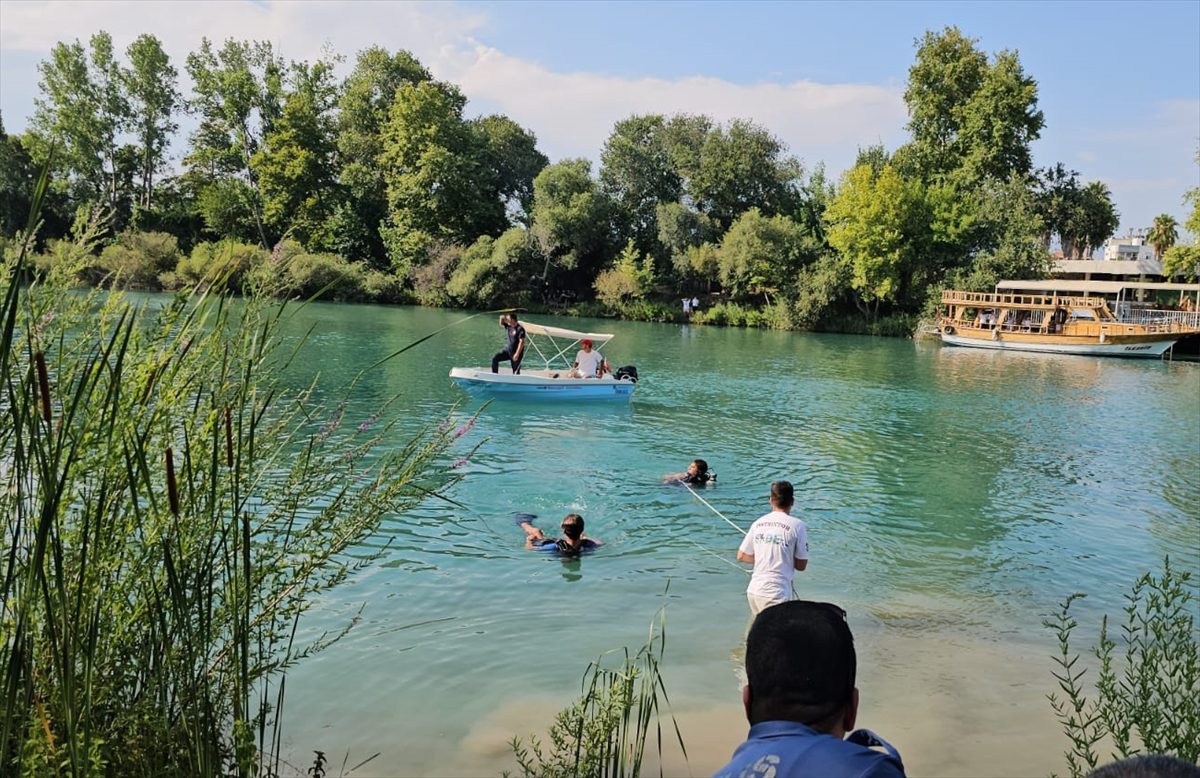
(377,186)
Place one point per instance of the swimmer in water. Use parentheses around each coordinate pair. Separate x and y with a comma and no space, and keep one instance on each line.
(573,542)
(697,474)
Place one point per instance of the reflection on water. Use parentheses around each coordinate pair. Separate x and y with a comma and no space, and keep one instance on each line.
(953,496)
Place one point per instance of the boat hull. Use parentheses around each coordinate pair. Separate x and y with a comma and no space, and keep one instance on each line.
(538,385)
(1140,346)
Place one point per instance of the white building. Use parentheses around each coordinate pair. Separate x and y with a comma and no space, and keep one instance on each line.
(1131,248)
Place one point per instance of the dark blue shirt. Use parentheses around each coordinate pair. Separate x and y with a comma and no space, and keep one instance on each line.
(516,334)
(788,749)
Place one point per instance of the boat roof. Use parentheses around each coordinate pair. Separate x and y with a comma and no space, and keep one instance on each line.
(597,338)
(1097,287)
(560,353)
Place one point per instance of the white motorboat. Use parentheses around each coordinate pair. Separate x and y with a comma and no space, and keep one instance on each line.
(545,372)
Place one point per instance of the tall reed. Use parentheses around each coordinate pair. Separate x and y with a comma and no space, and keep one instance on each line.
(169,512)
(603,734)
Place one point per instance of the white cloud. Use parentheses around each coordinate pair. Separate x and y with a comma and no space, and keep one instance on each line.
(571,113)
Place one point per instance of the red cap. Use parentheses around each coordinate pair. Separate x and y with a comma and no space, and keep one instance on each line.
(585,342)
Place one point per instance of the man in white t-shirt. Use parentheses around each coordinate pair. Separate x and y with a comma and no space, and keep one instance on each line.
(587,361)
(777,546)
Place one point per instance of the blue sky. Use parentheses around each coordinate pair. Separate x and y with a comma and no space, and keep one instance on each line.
(1119,82)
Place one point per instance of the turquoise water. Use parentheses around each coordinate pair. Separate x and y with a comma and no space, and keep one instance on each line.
(953,496)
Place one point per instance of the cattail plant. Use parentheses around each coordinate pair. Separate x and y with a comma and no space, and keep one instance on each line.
(168,513)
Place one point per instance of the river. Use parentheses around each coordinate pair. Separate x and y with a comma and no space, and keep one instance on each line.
(953,497)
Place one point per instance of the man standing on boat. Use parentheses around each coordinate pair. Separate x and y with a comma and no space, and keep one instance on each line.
(515,349)
(777,546)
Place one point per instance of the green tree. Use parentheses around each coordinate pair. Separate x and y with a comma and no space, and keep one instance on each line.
(1082,217)
(877,224)
(18,177)
(1098,218)
(967,116)
(431,167)
(151,86)
(743,166)
(237,93)
(363,109)
(1163,233)
(760,254)
(1185,260)
(81,111)
(509,161)
(570,222)
(295,165)
(1013,247)
(636,173)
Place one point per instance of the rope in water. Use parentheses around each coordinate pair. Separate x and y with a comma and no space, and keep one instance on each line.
(732,564)
(714,510)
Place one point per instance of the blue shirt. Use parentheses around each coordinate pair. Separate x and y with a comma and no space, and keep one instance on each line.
(788,749)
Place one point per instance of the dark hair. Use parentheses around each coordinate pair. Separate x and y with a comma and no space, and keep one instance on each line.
(701,476)
(572,525)
(800,664)
(782,495)
(513,315)
(1147,766)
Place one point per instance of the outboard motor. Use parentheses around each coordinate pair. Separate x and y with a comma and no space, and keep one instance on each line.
(626,373)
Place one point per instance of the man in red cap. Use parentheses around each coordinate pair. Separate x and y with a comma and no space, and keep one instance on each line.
(587,361)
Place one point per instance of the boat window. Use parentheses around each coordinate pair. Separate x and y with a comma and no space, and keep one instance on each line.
(1083,313)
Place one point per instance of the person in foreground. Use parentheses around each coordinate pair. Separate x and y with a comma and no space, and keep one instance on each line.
(777,546)
(697,474)
(801,700)
(572,543)
(514,350)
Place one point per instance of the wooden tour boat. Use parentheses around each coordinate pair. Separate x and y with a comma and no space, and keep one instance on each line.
(1051,323)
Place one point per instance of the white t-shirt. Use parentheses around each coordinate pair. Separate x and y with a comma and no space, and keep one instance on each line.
(775,540)
(588,361)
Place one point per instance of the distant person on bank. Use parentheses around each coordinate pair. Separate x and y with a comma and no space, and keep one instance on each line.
(777,546)
(800,700)
(514,351)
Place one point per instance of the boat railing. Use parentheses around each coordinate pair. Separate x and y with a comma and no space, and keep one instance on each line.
(996,300)
(1131,314)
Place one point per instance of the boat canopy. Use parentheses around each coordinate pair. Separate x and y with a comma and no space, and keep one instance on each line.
(563,342)
(597,338)
(1092,287)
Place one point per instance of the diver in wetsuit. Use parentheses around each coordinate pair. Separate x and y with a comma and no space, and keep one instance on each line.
(697,474)
(573,542)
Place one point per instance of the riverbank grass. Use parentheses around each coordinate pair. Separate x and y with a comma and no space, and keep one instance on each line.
(169,512)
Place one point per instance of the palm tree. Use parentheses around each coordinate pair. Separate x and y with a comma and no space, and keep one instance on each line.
(1163,234)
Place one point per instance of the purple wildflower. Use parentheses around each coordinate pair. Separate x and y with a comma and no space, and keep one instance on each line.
(464,429)
(459,463)
(277,253)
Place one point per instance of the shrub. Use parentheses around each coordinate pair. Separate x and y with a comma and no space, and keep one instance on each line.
(230,261)
(137,258)
(1152,700)
(383,287)
(429,280)
(731,315)
(334,278)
